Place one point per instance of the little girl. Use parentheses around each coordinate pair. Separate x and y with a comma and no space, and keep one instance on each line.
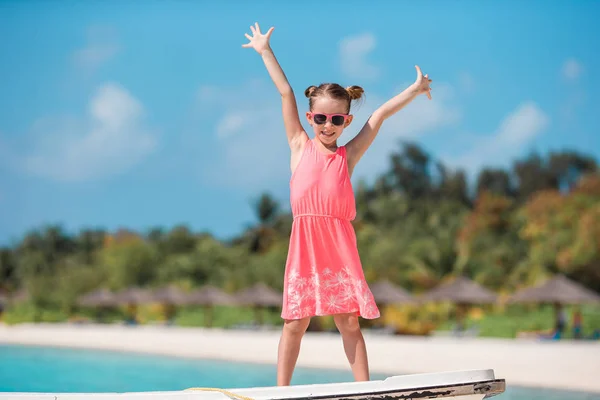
(323,273)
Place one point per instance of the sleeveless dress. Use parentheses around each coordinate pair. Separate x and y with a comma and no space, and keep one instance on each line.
(323,272)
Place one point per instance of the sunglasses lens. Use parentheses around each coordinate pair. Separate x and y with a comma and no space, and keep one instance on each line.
(337,120)
(319,118)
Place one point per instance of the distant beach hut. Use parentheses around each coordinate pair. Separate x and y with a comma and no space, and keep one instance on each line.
(461,290)
(258,297)
(169,297)
(132,297)
(98,298)
(558,291)
(464,293)
(209,296)
(101,299)
(385,292)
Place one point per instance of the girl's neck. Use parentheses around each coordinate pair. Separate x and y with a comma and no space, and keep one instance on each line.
(331,147)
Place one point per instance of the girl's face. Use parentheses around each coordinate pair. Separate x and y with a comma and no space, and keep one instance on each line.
(328,119)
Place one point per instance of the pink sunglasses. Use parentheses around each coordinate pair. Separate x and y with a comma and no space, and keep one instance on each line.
(336,119)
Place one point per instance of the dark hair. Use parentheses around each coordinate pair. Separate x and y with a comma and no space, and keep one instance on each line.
(334,91)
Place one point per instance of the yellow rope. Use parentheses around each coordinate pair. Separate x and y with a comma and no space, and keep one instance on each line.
(225,392)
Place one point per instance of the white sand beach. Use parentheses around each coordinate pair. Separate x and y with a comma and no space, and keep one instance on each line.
(562,365)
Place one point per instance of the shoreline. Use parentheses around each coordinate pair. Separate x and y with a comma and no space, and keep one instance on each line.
(566,365)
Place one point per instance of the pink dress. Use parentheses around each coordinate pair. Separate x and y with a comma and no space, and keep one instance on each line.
(323,273)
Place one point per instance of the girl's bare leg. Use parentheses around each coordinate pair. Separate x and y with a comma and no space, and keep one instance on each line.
(289,348)
(354,345)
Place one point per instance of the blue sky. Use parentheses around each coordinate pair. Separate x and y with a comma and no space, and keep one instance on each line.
(145,113)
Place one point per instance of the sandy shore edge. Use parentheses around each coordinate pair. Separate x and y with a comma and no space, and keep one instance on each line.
(561,365)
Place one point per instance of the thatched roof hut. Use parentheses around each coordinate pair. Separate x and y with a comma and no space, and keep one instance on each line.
(99,298)
(134,295)
(461,290)
(208,296)
(259,295)
(169,295)
(559,289)
(385,292)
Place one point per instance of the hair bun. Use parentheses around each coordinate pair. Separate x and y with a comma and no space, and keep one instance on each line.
(355,92)
(310,90)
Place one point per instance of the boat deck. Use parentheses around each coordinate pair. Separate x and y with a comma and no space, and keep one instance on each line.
(456,385)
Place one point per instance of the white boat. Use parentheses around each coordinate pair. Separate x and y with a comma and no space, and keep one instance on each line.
(455,385)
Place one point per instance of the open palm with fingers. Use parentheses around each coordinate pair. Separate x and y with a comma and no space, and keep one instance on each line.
(258,41)
(422,83)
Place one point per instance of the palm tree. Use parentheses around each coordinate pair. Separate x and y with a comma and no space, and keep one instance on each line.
(262,236)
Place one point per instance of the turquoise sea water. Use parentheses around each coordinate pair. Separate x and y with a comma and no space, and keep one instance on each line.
(47,369)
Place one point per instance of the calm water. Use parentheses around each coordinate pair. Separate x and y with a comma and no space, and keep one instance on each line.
(46,369)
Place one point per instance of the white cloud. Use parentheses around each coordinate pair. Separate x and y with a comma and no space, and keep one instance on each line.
(233,122)
(109,140)
(354,51)
(101,46)
(515,132)
(251,148)
(572,69)
(576,96)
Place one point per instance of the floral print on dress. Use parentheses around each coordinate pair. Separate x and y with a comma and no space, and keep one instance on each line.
(329,293)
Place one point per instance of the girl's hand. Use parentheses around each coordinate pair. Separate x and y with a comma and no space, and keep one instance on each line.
(422,83)
(259,41)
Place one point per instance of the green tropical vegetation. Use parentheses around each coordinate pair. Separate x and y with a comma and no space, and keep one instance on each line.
(417,224)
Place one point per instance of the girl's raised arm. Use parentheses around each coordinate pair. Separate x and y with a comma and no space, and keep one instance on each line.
(361,142)
(293,128)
